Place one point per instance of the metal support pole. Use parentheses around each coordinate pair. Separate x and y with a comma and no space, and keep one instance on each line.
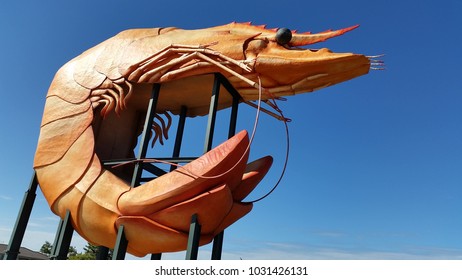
(218,240)
(233,117)
(54,247)
(176,153)
(65,236)
(193,239)
(144,142)
(179,135)
(217,247)
(212,115)
(102,253)
(19,229)
(235,105)
(156,257)
(121,245)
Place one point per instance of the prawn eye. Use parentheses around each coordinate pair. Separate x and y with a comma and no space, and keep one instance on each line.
(283,36)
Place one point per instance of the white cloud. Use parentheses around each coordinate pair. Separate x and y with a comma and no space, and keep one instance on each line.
(252,250)
(287,251)
(4,197)
(330,234)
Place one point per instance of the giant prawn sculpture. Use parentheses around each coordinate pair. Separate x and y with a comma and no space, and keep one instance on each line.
(95,101)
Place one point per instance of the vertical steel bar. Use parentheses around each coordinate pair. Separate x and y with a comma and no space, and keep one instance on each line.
(176,153)
(212,115)
(192,251)
(65,238)
(102,253)
(20,226)
(156,257)
(121,245)
(233,117)
(217,247)
(144,142)
(235,105)
(121,242)
(193,239)
(179,135)
(54,247)
(218,240)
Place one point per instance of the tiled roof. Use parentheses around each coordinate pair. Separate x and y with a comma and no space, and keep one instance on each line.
(24,253)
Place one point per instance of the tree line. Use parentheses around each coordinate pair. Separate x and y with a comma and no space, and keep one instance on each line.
(90,252)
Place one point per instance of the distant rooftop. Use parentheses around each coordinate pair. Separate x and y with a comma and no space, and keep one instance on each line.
(24,253)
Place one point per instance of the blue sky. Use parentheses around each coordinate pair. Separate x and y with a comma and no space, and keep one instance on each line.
(375,168)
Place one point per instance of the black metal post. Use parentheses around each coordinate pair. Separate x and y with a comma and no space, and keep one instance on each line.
(156,257)
(235,106)
(193,239)
(212,115)
(218,240)
(233,117)
(102,253)
(175,154)
(179,135)
(65,237)
(121,245)
(217,247)
(20,226)
(144,142)
(54,247)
